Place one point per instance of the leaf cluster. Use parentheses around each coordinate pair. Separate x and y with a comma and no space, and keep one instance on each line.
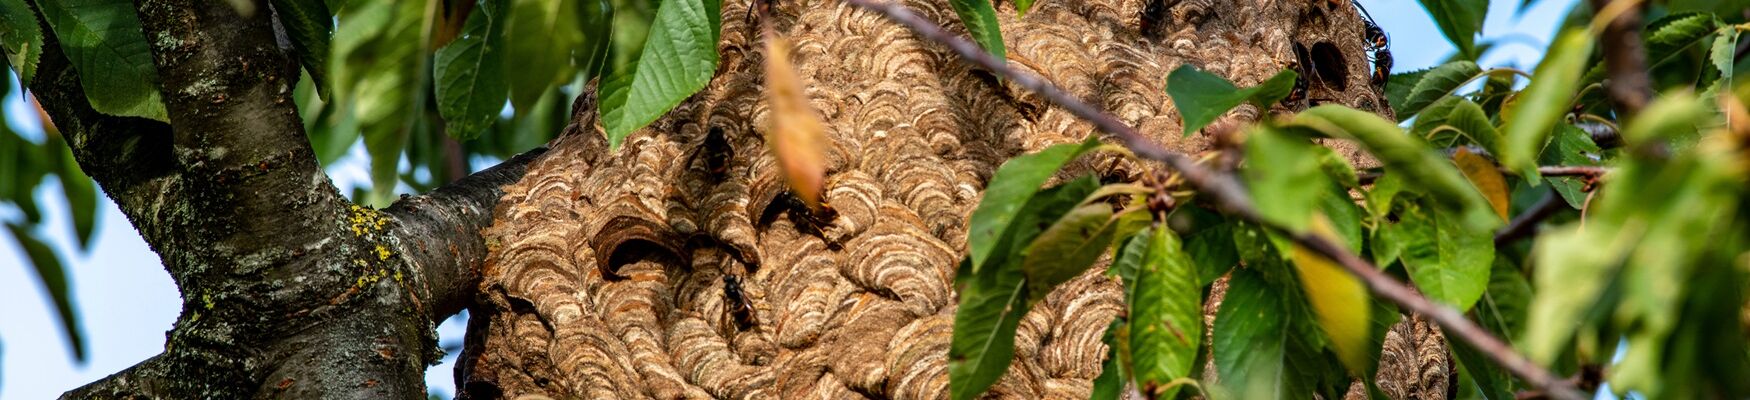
(1649,254)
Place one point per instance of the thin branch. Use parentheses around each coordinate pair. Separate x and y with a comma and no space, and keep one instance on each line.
(1522,225)
(1234,200)
(1205,179)
(1589,171)
(1574,170)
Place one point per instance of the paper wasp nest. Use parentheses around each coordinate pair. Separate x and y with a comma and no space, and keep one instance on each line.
(608,274)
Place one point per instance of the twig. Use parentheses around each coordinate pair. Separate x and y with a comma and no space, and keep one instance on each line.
(1522,225)
(1234,200)
(1590,171)
(1574,170)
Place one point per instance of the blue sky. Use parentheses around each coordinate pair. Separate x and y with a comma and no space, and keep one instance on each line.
(127,302)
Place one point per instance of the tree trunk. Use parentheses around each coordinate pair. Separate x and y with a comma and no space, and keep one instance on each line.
(609,269)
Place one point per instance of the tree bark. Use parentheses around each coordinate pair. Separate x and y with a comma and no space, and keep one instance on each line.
(289,290)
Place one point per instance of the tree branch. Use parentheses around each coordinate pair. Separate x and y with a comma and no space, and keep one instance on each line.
(1523,224)
(237,135)
(1367,177)
(1589,171)
(1630,88)
(440,232)
(1234,200)
(289,290)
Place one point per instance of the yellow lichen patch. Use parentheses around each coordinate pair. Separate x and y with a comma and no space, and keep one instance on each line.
(383,253)
(360,263)
(366,220)
(370,279)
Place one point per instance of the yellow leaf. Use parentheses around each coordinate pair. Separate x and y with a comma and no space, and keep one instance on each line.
(1486,177)
(797,137)
(1337,297)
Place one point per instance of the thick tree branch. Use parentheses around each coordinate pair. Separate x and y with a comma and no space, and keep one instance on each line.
(440,232)
(227,87)
(1234,200)
(289,290)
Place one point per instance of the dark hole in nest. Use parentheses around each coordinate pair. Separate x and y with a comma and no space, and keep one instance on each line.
(1329,67)
(635,250)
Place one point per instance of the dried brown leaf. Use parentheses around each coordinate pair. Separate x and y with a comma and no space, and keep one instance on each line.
(1486,177)
(797,137)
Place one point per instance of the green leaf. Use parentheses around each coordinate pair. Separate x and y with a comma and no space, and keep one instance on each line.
(377,61)
(1571,146)
(54,278)
(993,299)
(469,73)
(1337,167)
(1502,312)
(1686,209)
(1491,381)
(1201,97)
(1110,384)
(1379,198)
(1460,21)
(331,131)
(1721,54)
(539,39)
(1132,252)
(1345,217)
(80,191)
(21,38)
(1397,91)
(1668,118)
(1068,247)
(384,143)
(991,307)
(1419,165)
(1543,103)
(1667,37)
(630,27)
(1166,315)
(1448,261)
(1021,7)
(1502,308)
(1387,243)
(678,59)
(596,18)
(1248,337)
(981,22)
(1436,84)
(1211,244)
(103,40)
(309,25)
(1284,176)
(1454,121)
(1573,267)
(1013,185)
